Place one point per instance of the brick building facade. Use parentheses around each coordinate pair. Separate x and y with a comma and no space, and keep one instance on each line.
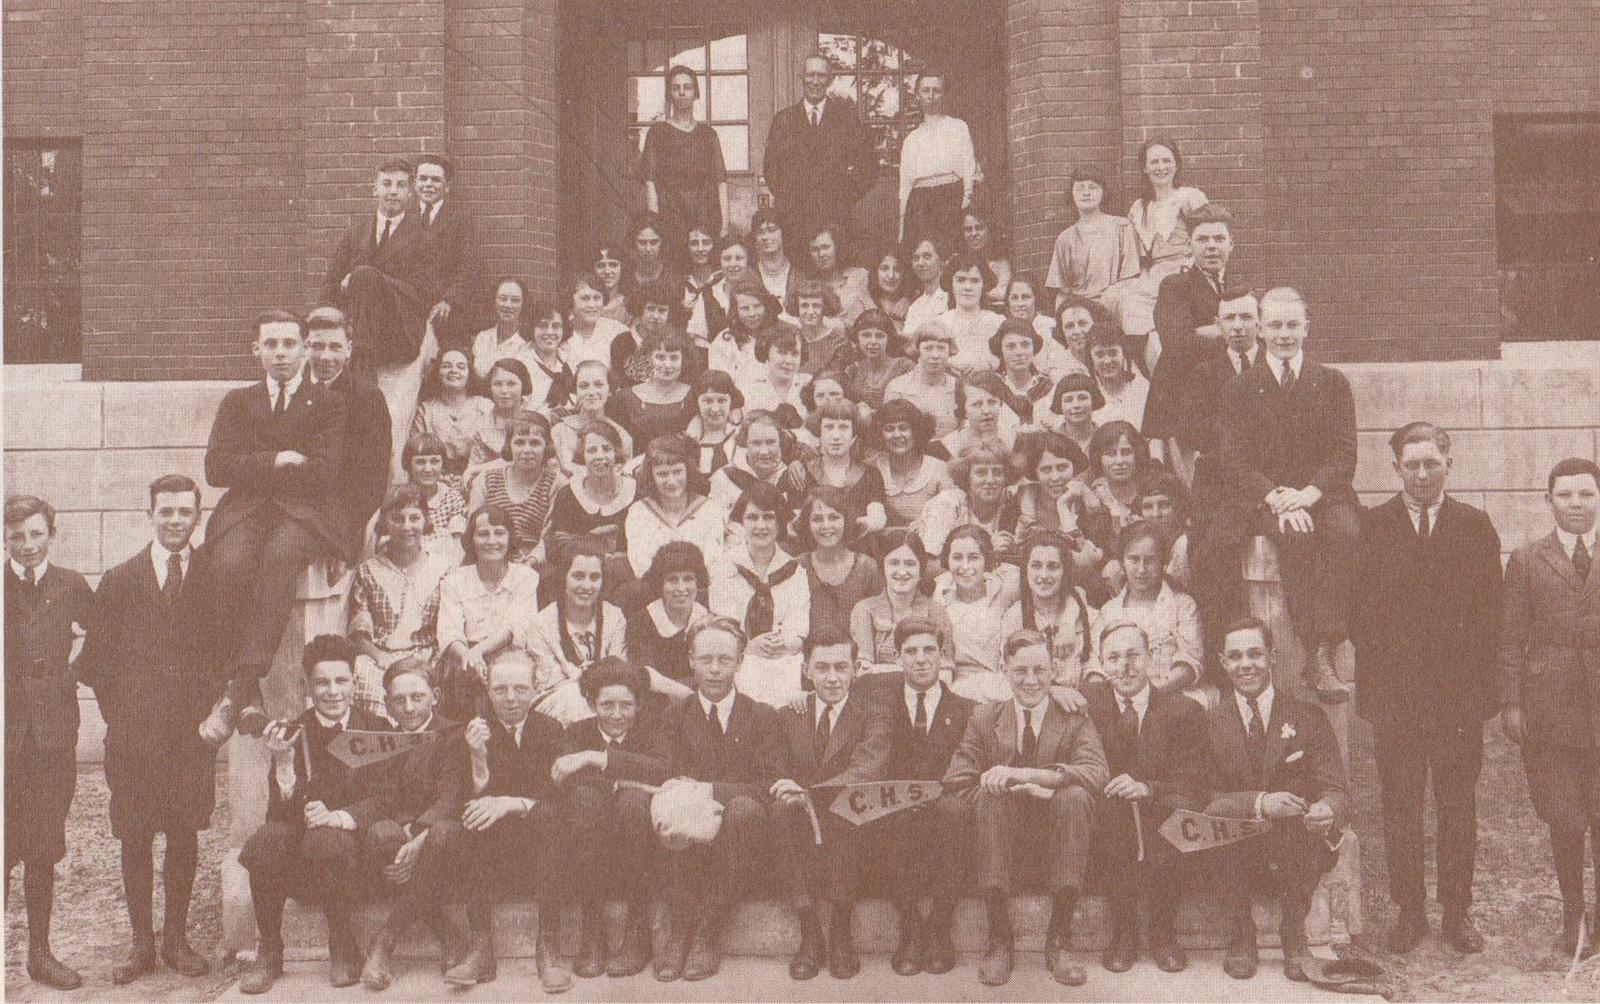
(222,146)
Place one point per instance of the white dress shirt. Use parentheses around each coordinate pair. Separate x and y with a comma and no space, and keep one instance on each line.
(930,703)
(1569,542)
(289,390)
(1242,361)
(1141,703)
(724,707)
(1038,712)
(429,213)
(836,709)
(1263,701)
(377,228)
(160,557)
(1295,364)
(39,570)
(1414,510)
(814,112)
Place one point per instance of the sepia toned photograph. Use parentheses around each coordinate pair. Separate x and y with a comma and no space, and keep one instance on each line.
(740,500)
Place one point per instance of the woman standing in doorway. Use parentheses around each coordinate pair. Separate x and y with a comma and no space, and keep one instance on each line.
(938,167)
(682,169)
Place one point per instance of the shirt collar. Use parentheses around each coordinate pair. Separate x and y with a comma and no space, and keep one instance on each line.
(838,712)
(1263,701)
(1569,541)
(1414,507)
(293,386)
(1249,354)
(817,107)
(1141,702)
(929,703)
(328,723)
(724,706)
(382,219)
(516,730)
(431,213)
(39,569)
(160,556)
(1297,364)
(425,725)
(1039,710)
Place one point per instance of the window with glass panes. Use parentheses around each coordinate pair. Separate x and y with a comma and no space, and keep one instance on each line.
(43,243)
(880,78)
(720,61)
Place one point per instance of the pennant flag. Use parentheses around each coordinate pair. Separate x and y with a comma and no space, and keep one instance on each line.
(1196,831)
(355,748)
(863,803)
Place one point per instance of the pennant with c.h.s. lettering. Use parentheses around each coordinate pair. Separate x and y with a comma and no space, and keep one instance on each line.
(355,748)
(1195,831)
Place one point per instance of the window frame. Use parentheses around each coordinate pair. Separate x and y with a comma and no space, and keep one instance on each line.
(30,280)
(705,38)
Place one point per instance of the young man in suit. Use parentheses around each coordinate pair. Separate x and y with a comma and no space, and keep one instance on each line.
(1426,628)
(723,739)
(148,655)
(1274,758)
(1156,753)
(46,608)
(276,447)
(368,440)
(1547,664)
(455,251)
(1287,435)
(921,848)
(1028,765)
(510,826)
(1239,319)
(819,159)
(310,847)
(836,739)
(1186,320)
(418,795)
(610,825)
(385,275)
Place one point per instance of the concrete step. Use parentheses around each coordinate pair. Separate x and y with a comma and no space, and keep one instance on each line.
(769,928)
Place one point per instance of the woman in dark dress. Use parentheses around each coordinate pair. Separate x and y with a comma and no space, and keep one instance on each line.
(682,169)
(672,588)
(840,577)
(660,406)
(594,504)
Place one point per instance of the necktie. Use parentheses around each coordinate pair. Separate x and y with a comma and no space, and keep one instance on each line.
(31,576)
(1238,362)
(920,722)
(816,116)
(1030,739)
(716,723)
(1288,378)
(427,217)
(1581,560)
(1130,717)
(824,730)
(174,583)
(388,228)
(1422,524)
(1258,727)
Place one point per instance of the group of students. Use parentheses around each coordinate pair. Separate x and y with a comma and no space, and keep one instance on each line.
(762,526)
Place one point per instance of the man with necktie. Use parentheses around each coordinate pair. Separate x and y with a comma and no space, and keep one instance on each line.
(46,609)
(820,158)
(1156,753)
(1273,758)
(369,445)
(1028,765)
(835,738)
(1426,631)
(1549,662)
(448,226)
(1239,318)
(148,654)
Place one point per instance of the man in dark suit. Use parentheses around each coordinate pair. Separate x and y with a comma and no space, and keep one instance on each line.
(418,794)
(1028,765)
(820,159)
(1156,753)
(1186,319)
(1549,658)
(385,275)
(611,837)
(277,447)
(1274,758)
(45,605)
(1426,630)
(448,225)
(1239,318)
(368,439)
(147,654)
(1287,434)
(725,740)
(509,830)
(921,848)
(836,739)
(310,846)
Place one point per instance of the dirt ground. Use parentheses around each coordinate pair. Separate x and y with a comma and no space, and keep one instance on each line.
(1515,909)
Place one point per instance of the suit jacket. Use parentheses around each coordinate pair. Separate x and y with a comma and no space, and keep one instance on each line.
(857,749)
(1068,744)
(1202,396)
(151,662)
(913,756)
(644,755)
(41,685)
(1185,301)
(358,791)
(455,255)
(744,762)
(1171,754)
(1550,646)
(364,472)
(245,437)
(418,785)
(1295,729)
(409,264)
(819,172)
(1268,438)
(1427,619)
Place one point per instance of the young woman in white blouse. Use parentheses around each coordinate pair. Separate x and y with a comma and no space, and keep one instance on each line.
(666,508)
(938,167)
(969,323)
(507,339)
(1158,224)
(766,590)
(931,299)
(976,591)
(589,333)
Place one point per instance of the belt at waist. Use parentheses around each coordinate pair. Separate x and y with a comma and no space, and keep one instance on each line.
(937,180)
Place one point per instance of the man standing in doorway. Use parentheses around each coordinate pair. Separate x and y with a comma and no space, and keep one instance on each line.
(819,160)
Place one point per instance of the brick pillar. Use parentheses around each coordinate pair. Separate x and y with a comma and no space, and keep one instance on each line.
(1065,109)
(1191,69)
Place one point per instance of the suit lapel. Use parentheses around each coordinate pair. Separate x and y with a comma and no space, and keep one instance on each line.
(1050,733)
(844,731)
(1556,556)
(943,722)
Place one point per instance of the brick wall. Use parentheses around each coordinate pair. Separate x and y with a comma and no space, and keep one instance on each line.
(1545,54)
(42,67)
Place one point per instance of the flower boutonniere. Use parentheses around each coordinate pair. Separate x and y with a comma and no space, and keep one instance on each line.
(1288,731)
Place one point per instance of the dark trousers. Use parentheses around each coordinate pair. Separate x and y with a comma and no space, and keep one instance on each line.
(1286,864)
(814,872)
(1007,824)
(934,211)
(289,860)
(386,318)
(922,851)
(714,876)
(259,562)
(1125,879)
(1405,756)
(516,854)
(613,845)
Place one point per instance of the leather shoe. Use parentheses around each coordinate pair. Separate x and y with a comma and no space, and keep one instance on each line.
(1242,958)
(182,959)
(478,966)
(995,969)
(1294,964)
(1325,675)
(140,959)
(1407,932)
(591,943)
(670,963)
(259,976)
(453,942)
(807,961)
(344,966)
(938,950)
(634,952)
(554,976)
(907,957)
(1062,965)
(1462,935)
(1169,957)
(705,952)
(1120,955)
(843,963)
